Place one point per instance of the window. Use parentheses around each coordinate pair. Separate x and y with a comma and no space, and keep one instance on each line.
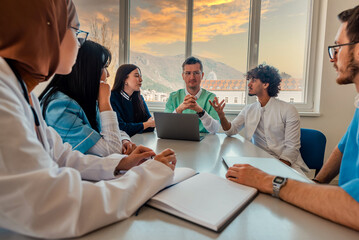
(102,22)
(157,45)
(283,39)
(220,40)
(229,36)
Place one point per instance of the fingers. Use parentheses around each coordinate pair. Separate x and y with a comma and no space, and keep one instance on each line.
(128,147)
(125,150)
(141,149)
(167,157)
(145,156)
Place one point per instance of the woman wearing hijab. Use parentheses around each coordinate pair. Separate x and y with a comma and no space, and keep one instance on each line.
(77,105)
(41,193)
(132,112)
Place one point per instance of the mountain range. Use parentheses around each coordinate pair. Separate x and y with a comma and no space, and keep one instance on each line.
(164,73)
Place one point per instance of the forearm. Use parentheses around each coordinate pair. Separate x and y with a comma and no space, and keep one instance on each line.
(226,125)
(331,168)
(111,141)
(330,202)
(104,106)
(146,125)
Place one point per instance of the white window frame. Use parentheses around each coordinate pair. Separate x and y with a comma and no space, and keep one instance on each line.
(311,72)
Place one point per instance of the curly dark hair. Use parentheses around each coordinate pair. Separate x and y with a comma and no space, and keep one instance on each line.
(266,74)
(352,17)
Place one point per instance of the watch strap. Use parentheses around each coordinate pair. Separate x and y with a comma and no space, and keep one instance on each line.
(200,114)
(277,186)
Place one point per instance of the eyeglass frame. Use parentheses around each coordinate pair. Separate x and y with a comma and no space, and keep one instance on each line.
(80,40)
(194,73)
(336,46)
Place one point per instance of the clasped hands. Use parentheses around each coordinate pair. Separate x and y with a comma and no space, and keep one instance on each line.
(189,102)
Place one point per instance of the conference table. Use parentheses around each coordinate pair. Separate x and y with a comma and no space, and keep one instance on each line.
(264,218)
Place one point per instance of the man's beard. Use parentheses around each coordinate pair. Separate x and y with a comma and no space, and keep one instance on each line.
(351,71)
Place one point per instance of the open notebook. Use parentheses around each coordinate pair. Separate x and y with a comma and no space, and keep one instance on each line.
(205,199)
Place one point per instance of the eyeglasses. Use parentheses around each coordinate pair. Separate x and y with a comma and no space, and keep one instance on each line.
(333,50)
(81,35)
(195,73)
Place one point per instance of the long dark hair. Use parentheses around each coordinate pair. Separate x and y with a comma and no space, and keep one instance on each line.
(83,83)
(138,106)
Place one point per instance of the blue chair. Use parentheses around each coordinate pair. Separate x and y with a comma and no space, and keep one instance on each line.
(312,148)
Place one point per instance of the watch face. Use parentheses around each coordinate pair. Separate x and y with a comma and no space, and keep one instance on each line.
(278,180)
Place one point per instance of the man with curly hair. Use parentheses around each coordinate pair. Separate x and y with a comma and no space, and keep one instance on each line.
(270,123)
(340,203)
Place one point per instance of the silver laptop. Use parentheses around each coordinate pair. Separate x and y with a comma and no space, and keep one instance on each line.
(177,126)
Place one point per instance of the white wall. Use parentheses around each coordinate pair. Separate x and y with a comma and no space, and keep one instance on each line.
(336,101)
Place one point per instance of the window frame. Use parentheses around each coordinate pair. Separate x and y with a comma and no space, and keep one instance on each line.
(311,105)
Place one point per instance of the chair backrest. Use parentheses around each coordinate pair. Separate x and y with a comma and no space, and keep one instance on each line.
(312,148)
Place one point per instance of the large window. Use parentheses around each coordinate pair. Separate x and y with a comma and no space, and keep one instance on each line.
(163,33)
(157,45)
(283,41)
(229,36)
(220,40)
(101,19)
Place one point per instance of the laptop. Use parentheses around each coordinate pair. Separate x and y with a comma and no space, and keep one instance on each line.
(177,126)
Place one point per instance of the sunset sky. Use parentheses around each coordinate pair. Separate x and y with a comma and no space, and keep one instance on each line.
(220,29)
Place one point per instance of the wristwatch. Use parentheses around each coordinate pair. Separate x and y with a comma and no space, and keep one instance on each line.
(278,183)
(200,114)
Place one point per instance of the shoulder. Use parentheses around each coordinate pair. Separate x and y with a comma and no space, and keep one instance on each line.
(277,103)
(115,96)
(208,93)
(61,100)
(255,105)
(177,93)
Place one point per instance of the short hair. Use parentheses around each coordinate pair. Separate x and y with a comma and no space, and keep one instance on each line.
(351,16)
(190,61)
(266,74)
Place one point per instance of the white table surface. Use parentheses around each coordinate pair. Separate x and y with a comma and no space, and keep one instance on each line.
(265,218)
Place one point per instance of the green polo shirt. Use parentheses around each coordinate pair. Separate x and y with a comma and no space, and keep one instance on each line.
(176,98)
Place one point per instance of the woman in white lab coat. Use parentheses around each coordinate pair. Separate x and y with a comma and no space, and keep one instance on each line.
(41,189)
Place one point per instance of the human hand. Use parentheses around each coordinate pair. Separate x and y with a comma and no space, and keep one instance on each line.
(138,156)
(218,106)
(250,176)
(128,147)
(189,102)
(104,94)
(149,123)
(167,157)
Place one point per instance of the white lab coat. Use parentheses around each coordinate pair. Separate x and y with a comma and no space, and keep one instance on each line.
(281,127)
(41,192)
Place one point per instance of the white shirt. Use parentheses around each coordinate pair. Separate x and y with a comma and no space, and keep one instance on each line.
(112,136)
(275,128)
(41,191)
(209,123)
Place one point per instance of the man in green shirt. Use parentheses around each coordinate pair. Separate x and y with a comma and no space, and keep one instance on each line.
(194,99)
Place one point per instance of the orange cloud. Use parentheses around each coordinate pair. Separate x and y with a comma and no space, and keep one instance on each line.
(167,24)
(102,17)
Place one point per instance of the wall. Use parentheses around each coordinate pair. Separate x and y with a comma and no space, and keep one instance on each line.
(336,102)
